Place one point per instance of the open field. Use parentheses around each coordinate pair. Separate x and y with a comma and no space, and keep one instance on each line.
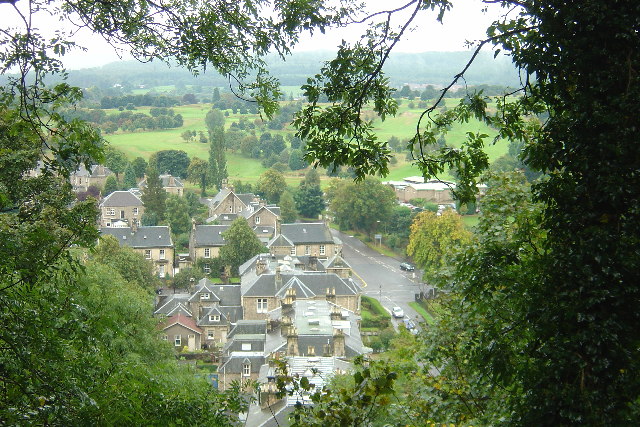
(402,126)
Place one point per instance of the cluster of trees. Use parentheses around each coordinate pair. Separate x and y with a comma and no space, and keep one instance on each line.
(145,100)
(128,120)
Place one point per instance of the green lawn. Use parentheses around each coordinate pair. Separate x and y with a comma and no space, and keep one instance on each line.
(402,126)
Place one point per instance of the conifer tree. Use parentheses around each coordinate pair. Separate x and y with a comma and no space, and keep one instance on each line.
(154,197)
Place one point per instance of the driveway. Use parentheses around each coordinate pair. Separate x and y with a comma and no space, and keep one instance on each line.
(381,275)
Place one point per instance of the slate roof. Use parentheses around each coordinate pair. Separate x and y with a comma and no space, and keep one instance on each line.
(213,311)
(305,233)
(209,235)
(166,181)
(158,236)
(96,171)
(336,262)
(248,327)
(121,198)
(312,283)
(235,362)
(280,240)
(169,303)
(246,198)
(182,320)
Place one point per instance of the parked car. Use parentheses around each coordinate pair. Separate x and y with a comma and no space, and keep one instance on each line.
(397,312)
(407,267)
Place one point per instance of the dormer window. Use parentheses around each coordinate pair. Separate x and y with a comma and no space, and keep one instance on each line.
(205,296)
(214,318)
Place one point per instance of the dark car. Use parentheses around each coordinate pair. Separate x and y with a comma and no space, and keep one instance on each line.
(407,267)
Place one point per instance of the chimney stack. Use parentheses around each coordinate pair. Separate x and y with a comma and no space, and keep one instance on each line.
(338,343)
(292,342)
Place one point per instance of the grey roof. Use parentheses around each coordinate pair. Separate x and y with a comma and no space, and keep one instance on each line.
(96,171)
(314,284)
(302,233)
(213,311)
(224,218)
(209,235)
(235,362)
(169,303)
(121,198)
(274,209)
(249,327)
(215,201)
(246,198)
(158,236)
(280,240)
(228,295)
(166,181)
(337,262)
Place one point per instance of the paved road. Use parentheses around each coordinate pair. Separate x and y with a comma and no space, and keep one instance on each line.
(382,275)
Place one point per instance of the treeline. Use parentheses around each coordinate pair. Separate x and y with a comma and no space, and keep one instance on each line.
(146,100)
(129,120)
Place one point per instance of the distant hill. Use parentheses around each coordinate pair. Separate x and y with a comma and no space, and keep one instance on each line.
(435,68)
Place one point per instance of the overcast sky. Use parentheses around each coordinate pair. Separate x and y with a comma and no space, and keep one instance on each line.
(464,22)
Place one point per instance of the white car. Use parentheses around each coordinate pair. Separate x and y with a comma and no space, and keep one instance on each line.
(397,312)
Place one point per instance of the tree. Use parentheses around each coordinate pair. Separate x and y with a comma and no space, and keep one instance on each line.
(217,157)
(271,185)
(129,180)
(177,214)
(361,205)
(130,265)
(214,119)
(174,162)
(288,212)
(434,239)
(110,185)
(154,198)
(139,166)
(241,244)
(297,161)
(115,160)
(198,173)
(309,196)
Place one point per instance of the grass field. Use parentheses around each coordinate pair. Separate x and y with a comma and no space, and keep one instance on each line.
(402,126)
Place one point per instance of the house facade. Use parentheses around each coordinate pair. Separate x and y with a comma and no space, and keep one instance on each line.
(433,191)
(82,179)
(306,239)
(205,241)
(121,207)
(153,242)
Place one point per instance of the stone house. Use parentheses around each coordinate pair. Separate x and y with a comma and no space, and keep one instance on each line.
(205,241)
(82,179)
(153,242)
(121,207)
(433,191)
(182,331)
(305,239)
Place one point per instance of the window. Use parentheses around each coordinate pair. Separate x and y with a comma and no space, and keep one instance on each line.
(214,318)
(161,271)
(322,250)
(211,334)
(177,340)
(135,211)
(161,253)
(293,250)
(165,337)
(207,252)
(246,369)
(111,212)
(147,253)
(262,305)
(205,296)
(307,250)
(206,268)
(121,214)
(246,346)
(257,220)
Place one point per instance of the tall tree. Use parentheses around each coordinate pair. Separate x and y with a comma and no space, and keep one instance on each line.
(129,180)
(241,243)
(115,160)
(435,238)
(309,196)
(174,162)
(271,185)
(217,156)
(177,214)
(110,185)
(288,210)
(361,205)
(214,119)
(199,173)
(154,198)
(139,166)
